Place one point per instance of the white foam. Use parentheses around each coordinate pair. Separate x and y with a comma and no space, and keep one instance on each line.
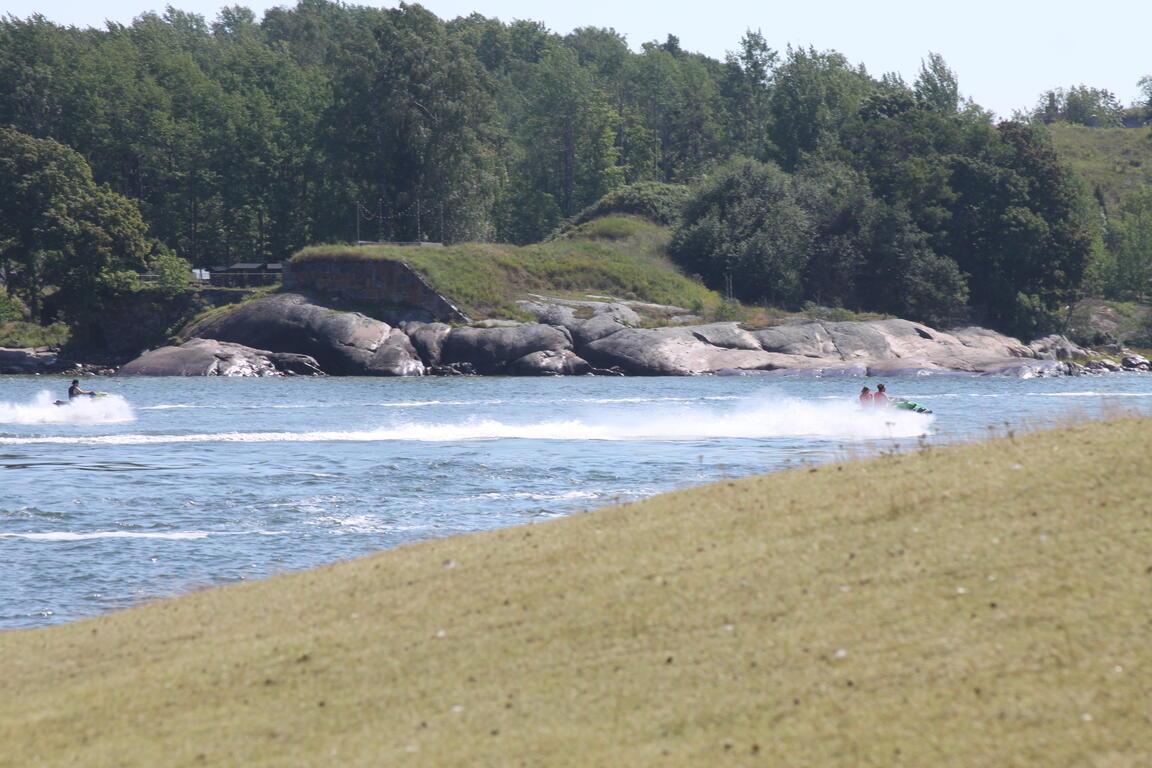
(781,417)
(165,535)
(108,409)
(71,536)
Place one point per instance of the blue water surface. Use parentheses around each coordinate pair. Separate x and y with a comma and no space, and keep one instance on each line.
(167,485)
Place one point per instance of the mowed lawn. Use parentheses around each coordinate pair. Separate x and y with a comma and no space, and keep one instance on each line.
(977,605)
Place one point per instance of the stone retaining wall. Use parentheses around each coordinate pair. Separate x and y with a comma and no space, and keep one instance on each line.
(393,287)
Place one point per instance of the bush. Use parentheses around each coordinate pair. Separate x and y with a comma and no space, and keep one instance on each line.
(11,308)
(22,334)
(659,203)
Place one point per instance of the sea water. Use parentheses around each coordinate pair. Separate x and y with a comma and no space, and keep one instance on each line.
(167,485)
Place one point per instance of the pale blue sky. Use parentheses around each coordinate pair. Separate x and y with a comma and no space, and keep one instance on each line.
(1005,53)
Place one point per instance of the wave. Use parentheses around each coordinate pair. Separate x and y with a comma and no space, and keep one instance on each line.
(71,536)
(427,403)
(166,535)
(660,422)
(109,409)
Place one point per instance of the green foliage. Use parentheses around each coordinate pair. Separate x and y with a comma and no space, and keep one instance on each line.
(773,238)
(18,333)
(11,308)
(60,229)
(827,314)
(937,87)
(816,95)
(1113,162)
(1017,230)
(173,274)
(526,215)
(241,139)
(1127,270)
(1078,105)
(731,310)
(746,232)
(746,85)
(658,202)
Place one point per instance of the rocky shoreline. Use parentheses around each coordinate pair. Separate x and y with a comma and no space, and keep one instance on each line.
(288,334)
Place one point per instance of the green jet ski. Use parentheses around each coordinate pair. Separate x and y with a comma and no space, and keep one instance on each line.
(908,405)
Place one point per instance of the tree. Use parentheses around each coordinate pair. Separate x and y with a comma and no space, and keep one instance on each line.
(815,95)
(676,96)
(745,233)
(1079,105)
(410,125)
(1017,231)
(937,87)
(1128,269)
(747,91)
(568,130)
(58,227)
(904,276)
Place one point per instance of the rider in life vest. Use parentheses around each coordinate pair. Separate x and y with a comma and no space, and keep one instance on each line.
(865,397)
(880,399)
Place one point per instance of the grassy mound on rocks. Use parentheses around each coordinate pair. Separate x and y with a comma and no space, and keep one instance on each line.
(983,604)
(616,256)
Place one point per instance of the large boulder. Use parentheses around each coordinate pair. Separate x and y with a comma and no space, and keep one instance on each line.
(22,360)
(1057,347)
(491,350)
(343,343)
(395,357)
(208,357)
(804,339)
(585,321)
(427,339)
(680,351)
(874,348)
(985,343)
(561,362)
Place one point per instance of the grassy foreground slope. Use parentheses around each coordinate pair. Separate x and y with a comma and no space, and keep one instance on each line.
(975,605)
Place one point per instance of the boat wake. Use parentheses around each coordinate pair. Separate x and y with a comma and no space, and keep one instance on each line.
(108,409)
(782,418)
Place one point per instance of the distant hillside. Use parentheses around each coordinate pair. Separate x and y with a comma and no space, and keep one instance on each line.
(1113,161)
(618,256)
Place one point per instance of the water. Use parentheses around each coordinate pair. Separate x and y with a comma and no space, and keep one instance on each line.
(168,485)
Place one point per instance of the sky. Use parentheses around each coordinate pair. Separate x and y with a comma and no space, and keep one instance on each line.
(1005,54)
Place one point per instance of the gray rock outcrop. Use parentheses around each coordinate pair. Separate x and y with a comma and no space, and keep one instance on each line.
(343,343)
(561,362)
(427,339)
(490,350)
(21,360)
(585,321)
(207,357)
(581,337)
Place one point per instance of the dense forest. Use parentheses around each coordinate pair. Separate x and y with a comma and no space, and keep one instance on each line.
(800,177)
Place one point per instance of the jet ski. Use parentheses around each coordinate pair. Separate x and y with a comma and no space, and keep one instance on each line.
(908,405)
(69,402)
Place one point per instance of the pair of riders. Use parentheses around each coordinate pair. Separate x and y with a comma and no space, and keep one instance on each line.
(879,398)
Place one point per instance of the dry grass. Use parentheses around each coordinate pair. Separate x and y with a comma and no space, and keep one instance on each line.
(1114,161)
(977,605)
